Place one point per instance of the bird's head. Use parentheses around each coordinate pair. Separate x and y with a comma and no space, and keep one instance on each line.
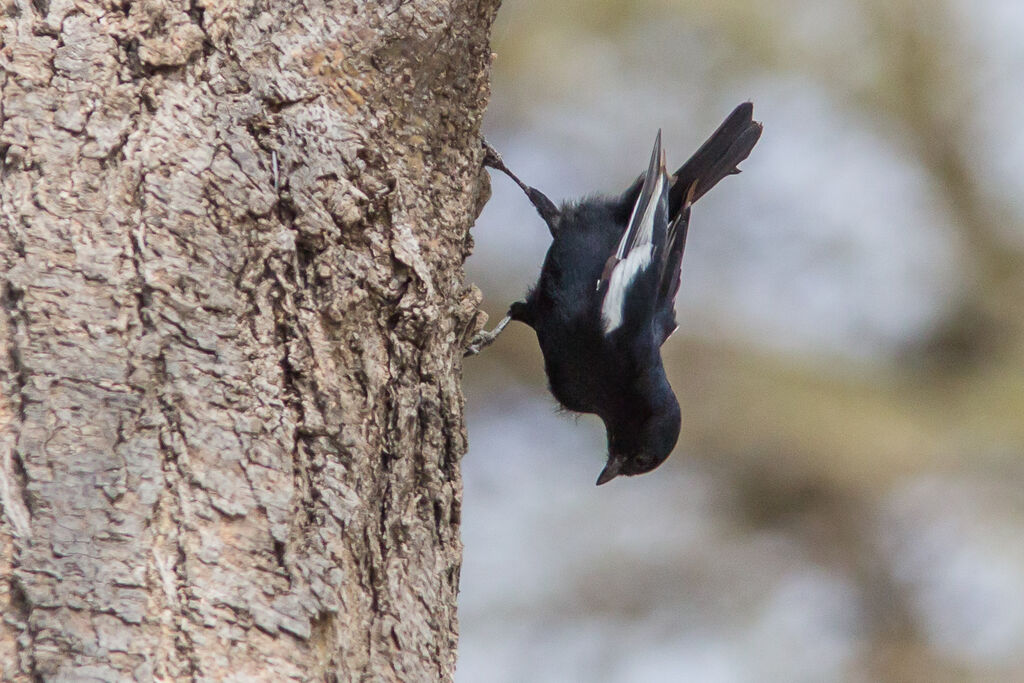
(636,446)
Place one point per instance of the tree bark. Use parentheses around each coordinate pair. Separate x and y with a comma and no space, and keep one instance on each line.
(231,246)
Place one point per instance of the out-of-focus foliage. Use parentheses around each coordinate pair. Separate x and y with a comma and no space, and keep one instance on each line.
(847,498)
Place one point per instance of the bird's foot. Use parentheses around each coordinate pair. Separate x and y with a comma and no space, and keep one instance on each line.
(491,158)
(484,339)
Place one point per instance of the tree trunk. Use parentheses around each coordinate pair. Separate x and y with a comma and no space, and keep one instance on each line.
(231,246)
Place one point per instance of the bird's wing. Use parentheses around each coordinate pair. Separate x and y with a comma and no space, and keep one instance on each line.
(640,250)
(716,159)
(671,266)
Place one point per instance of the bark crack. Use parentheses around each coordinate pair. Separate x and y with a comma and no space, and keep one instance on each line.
(13,475)
(170,462)
(173,472)
(21,606)
(14,498)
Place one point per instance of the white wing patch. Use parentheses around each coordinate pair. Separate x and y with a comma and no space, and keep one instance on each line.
(613,308)
(631,264)
(644,232)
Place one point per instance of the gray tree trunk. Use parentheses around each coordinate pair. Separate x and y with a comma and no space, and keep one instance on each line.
(230,406)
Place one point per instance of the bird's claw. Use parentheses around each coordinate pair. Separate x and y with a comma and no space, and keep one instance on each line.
(491,157)
(484,339)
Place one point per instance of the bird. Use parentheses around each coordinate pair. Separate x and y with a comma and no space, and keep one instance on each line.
(604,303)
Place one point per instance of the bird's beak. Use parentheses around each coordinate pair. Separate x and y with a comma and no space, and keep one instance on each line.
(611,469)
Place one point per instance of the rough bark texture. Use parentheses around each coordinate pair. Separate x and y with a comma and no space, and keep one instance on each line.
(230,411)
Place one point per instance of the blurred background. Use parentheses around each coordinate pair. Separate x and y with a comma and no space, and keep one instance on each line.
(846,501)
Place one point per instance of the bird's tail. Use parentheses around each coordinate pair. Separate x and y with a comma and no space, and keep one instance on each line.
(717,158)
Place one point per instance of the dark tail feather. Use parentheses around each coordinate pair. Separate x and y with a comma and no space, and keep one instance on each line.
(718,157)
(675,244)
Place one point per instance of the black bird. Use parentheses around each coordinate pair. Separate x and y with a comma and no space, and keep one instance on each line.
(604,303)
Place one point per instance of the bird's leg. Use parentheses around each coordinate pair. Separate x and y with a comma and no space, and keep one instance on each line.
(545,207)
(484,339)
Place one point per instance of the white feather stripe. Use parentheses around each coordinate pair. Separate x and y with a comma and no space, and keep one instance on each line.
(613,308)
(644,231)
